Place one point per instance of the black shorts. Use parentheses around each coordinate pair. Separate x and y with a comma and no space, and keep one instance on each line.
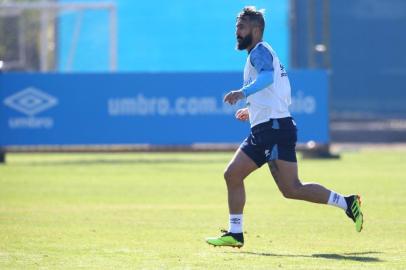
(275,139)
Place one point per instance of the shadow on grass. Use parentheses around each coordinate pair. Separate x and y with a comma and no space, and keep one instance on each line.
(356,256)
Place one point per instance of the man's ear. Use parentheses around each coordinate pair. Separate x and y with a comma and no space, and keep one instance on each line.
(257,32)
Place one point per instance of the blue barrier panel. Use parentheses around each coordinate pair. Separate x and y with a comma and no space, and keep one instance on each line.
(158,109)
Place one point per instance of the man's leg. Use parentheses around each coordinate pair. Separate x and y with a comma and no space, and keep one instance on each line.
(286,177)
(237,170)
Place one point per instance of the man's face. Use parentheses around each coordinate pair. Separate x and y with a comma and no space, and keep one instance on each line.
(243,34)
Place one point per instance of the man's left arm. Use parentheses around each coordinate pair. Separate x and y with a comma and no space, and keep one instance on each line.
(263,80)
(262,60)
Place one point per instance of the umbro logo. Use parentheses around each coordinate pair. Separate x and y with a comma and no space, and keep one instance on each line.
(235,221)
(336,198)
(30,101)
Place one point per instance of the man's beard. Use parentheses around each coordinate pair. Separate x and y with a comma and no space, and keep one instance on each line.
(244,43)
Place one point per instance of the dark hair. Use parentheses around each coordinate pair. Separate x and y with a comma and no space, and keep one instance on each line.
(254,16)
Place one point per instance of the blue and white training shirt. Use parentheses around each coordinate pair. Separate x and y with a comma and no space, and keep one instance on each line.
(266,85)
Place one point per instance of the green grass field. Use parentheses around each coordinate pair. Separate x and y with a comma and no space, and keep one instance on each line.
(153,211)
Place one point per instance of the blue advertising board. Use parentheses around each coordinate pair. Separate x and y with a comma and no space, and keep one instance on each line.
(142,108)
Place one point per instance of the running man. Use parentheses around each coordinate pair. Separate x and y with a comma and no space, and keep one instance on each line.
(272,139)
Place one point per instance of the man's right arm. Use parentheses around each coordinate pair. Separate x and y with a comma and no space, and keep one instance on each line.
(242,114)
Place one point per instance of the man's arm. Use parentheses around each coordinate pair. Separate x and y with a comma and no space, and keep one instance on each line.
(242,114)
(262,61)
(263,80)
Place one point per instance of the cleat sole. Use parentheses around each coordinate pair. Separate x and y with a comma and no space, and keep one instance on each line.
(225,246)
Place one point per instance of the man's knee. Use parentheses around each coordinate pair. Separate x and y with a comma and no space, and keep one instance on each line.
(291,191)
(228,174)
(231,176)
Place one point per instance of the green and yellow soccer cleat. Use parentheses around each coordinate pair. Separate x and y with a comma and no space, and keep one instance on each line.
(354,211)
(228,239)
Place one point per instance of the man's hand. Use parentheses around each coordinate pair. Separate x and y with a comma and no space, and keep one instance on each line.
(242,114)
(234,96)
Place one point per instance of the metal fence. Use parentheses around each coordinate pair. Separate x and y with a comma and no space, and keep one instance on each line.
(29,33)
